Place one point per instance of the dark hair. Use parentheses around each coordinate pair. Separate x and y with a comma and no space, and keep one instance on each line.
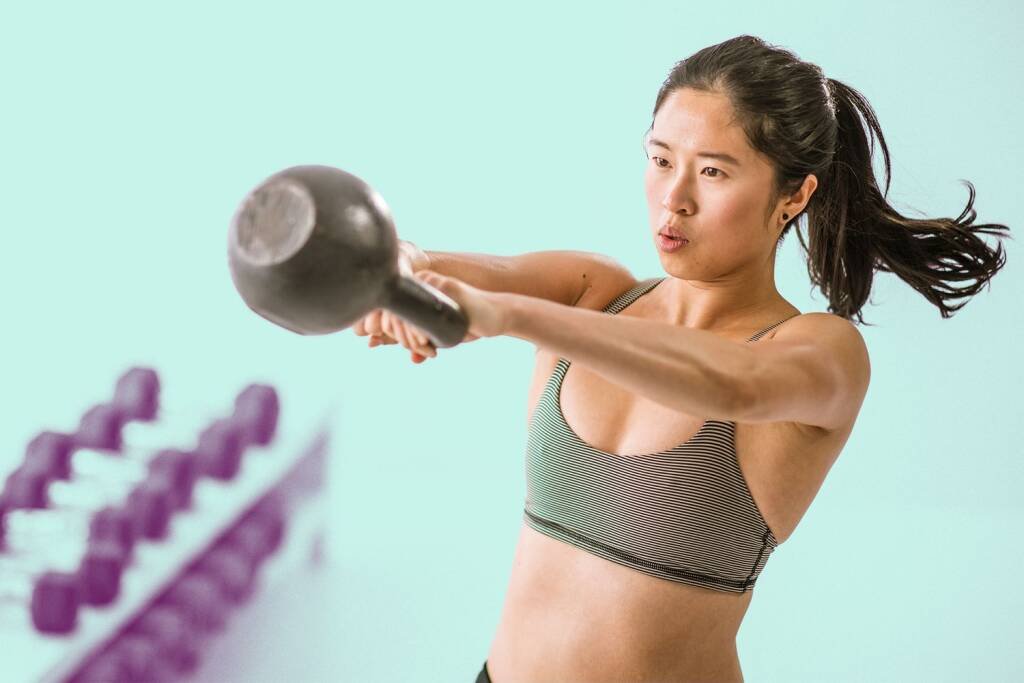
(806,123)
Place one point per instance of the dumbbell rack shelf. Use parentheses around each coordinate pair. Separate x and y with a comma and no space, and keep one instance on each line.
(292,466)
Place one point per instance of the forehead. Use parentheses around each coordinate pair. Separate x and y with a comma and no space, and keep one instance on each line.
(694,119)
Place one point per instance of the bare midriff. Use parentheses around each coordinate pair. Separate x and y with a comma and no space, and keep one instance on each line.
(573,616)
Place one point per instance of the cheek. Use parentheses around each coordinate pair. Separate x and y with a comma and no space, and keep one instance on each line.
(650,188)
(735,207)
(730,212)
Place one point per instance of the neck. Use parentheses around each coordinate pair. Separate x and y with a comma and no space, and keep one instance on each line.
(714,307)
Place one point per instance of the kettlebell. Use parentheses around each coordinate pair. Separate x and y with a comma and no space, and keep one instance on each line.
(313,249)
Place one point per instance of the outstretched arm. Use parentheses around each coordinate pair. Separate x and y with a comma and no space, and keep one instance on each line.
(692,371)
(815,371)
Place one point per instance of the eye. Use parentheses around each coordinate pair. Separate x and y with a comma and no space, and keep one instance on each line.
(718,172)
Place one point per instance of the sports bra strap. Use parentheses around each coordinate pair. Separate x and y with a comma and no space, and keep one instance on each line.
(639,289)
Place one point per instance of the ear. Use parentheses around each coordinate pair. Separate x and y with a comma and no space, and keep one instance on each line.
(798,200)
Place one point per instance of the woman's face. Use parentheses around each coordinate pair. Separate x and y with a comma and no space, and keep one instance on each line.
(718,203)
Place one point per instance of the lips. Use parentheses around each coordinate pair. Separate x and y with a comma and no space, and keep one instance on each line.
(669,231)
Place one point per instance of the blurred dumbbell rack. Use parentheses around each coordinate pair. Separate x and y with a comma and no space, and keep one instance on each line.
(286,475)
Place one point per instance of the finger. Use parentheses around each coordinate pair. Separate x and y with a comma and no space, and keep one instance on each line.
(402,333)
(382,340)
(387,324)
(368,324)
(417,339)
(435,280)
(425,347)
(372,321)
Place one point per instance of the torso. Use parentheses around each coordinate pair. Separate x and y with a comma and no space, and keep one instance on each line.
(570,615)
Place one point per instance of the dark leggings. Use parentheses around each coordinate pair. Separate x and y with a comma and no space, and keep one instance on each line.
(483,676)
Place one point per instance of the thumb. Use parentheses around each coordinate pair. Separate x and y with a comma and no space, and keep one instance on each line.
(435,279)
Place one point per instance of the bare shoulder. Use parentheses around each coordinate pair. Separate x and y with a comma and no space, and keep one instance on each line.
(827,327)
(841,342)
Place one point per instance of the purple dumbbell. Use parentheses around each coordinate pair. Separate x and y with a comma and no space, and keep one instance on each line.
(75,500)
(81,476)
(55,601)
(233,571)
(217,445)
(146,420)
(151,503)
(31,518)
(257,406)
(26,489)
(259,533)
(219,449)
(139,658)
(52,598)
(116,524)
(137,392)
(45,564)
(270,514)
(100,572)
(108,429)
(137,395)
(170,631)
(105,668)
(30,545)
(200,599)
(182,469)
(38,519)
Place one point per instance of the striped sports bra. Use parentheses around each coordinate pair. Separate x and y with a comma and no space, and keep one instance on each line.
(684,514)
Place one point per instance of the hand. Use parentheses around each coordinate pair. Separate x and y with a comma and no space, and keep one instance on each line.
(386,328)
(487,312)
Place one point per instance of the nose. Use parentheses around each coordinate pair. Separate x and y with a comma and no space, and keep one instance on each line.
(678,197)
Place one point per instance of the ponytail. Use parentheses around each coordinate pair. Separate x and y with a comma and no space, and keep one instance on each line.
(853,230)
(806,123)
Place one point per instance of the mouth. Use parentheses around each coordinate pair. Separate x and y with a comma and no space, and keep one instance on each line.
(672,233)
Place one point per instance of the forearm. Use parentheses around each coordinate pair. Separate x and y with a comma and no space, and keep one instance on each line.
(692,371)
(483,271)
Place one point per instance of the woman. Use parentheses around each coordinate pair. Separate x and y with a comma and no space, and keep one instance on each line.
(704,410)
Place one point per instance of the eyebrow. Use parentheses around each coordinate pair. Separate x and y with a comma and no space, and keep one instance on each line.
(722,156)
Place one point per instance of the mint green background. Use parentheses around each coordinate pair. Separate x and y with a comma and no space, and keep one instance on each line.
(131,132)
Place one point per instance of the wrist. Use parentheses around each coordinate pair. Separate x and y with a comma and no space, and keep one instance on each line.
(511,308)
